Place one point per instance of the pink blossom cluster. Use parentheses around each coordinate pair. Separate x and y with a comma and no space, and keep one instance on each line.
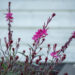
(57,56)
(54,54)
(9,17)
(40,34)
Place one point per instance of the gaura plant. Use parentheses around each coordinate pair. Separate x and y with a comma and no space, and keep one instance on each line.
(9,55)
(9,64)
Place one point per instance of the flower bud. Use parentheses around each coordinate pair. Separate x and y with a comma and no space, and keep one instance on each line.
(19,39)
(37,61)
(64,57)
(11,41)
(32,56)
(40,58)
(16,57)
(11,57)
(43,39)
(13,49)
(23,51)
(40,48)
(46,59)
(34,53)
(17,45)
(33,44)
(54,46)
(48,45)
(26,59)
(53,14)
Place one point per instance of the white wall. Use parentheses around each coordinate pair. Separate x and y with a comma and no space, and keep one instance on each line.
(29,15)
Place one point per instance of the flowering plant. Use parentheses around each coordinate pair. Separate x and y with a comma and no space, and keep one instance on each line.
(9,58)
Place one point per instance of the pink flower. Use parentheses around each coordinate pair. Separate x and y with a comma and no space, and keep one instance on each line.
(54,54)
(45,32)
(35,37)
(9,17)
(39,34)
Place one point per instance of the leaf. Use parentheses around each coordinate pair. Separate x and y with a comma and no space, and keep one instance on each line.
(40,55)
(4,66)
(30,47)
(22,54)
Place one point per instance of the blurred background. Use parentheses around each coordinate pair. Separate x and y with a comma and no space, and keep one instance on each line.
(29,15)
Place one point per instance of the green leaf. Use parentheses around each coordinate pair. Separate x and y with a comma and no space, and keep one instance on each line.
(30,47)
(22,54)
(4,66)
